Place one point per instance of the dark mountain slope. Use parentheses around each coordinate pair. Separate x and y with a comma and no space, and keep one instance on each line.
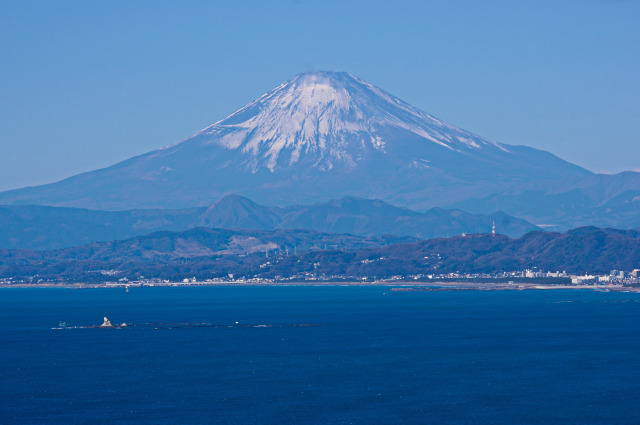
(208,253)
(37,227)
(582,250)
(360,217)
(167,251)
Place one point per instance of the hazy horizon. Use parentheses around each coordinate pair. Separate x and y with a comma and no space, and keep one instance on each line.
(89,85)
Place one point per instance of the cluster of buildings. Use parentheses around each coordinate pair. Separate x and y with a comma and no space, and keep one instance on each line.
(619,277)
(615,277)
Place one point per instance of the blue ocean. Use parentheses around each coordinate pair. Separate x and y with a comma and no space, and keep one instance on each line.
(319,355)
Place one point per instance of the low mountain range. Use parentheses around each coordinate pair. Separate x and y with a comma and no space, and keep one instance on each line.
(582,250)
(359,217)
(226,247)
(282,254)
(600,200)
(40,227)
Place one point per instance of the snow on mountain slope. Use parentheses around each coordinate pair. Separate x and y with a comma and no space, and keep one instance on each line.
(330,116)
(318,136)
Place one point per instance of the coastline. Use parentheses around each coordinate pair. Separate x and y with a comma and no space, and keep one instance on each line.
(399,286)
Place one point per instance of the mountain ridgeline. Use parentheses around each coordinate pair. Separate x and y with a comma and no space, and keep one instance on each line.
(289,254)
(171,253)
(316,137)
(322,136)
(38,227)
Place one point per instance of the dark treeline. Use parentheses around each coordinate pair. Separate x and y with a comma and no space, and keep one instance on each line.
(206,254)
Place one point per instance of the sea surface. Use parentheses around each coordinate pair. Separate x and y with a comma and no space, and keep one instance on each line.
(372,356)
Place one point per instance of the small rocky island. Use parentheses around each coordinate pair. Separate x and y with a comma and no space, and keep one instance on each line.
(107,324)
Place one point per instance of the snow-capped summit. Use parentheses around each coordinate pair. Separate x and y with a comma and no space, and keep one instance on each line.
(328,119)
(318,136)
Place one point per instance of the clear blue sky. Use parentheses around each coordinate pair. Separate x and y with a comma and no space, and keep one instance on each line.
(84,84)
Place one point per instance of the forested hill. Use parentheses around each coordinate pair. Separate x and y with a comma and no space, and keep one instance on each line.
(208,253)
(581,250)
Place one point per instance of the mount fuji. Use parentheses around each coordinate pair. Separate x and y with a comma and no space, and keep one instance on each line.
(316,137)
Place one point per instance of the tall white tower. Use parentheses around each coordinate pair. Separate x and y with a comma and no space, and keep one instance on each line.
(493,230)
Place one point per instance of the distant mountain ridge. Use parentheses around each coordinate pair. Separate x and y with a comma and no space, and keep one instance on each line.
(316,137)
(42,227)
(599,200)
(360,217)
(38,227)
(285,254)
(582,250)
(235,248)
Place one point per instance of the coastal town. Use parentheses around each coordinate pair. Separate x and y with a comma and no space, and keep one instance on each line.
(525,279)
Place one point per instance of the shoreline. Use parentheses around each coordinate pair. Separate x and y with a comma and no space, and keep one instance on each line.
(398,286)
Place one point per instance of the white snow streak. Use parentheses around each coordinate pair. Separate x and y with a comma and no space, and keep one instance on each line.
(332,117)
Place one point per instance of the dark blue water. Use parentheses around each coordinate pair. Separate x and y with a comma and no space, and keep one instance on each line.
(379,357)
